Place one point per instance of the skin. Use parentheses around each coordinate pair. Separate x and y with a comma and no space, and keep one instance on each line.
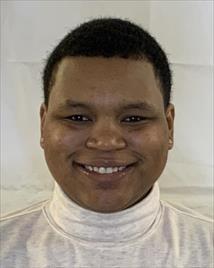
(105,132)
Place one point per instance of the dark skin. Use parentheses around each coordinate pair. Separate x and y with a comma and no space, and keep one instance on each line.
(106,130)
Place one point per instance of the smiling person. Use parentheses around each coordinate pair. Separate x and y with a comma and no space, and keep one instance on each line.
(106,129)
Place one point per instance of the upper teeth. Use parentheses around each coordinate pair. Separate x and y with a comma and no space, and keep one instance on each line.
(104,170)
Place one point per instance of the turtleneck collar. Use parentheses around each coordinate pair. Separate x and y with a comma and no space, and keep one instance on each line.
(73,220)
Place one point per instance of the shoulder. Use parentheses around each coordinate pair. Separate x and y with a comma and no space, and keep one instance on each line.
(187,222)
(186,213)
(188,235)
(22,217)
(21,226)
(19,230)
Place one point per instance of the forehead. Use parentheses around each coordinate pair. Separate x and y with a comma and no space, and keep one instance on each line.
(109,80)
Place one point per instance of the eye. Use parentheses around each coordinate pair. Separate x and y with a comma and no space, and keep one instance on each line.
(77,118)
(134,119)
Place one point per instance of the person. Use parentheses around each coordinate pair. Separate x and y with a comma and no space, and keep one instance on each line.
(106,129)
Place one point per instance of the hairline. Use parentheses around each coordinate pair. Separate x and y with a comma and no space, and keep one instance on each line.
(137,58)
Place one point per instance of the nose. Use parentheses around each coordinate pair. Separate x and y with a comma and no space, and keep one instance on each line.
(106,136)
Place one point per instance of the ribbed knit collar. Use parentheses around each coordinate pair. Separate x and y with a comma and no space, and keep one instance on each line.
(74,221)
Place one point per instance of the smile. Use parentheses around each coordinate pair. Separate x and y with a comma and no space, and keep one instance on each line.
(107,173)
(104,170)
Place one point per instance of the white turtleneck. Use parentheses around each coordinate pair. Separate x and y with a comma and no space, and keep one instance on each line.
(116,228)
(152,233)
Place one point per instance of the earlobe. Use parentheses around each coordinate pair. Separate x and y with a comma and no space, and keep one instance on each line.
(170,115)
(170,144)
(43,111)
(42,142)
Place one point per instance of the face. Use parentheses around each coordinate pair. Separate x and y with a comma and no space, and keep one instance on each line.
(105,132)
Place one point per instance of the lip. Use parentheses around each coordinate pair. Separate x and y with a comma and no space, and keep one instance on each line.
(106,163)
(110,177)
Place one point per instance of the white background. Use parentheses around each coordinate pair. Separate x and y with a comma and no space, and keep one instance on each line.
(31,29)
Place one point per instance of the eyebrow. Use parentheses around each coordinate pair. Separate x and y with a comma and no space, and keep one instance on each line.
(136,105)
(139,105)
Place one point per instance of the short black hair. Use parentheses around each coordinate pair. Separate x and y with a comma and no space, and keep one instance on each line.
(110,37)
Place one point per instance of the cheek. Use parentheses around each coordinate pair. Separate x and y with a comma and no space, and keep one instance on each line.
(62,140)
(152,142)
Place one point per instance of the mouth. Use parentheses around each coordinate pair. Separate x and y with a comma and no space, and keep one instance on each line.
(104,173)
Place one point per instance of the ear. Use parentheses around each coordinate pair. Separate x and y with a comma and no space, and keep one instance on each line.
(43,112)
(170,115)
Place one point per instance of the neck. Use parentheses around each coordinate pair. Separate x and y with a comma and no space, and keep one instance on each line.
(75,221)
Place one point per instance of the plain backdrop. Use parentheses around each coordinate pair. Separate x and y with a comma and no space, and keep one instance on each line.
(31,29)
